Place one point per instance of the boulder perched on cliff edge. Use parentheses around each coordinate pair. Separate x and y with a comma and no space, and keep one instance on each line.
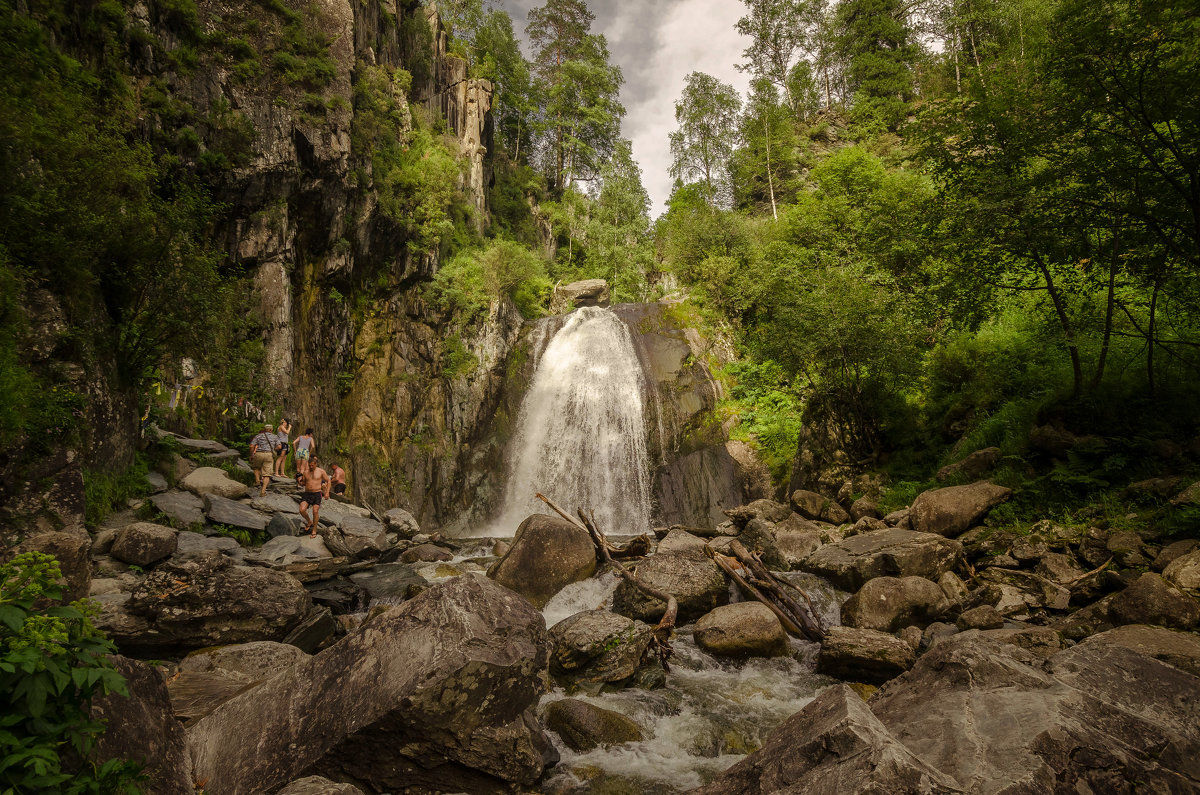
(547,554)
(446,680)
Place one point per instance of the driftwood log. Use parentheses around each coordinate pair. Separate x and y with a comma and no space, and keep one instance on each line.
(661,636)
(756,580)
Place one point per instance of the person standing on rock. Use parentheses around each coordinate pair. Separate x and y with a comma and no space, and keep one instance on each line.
(305,447)
(338,476)
(284,438)
(262,457)
(316,488)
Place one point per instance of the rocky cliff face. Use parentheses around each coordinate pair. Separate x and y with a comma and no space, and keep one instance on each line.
(351,348)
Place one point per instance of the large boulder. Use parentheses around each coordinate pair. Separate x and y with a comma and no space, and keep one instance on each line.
(863,655)
(598,646)
(694,580)
(888,604)
(191,546)
(246,662)
(955,509)
(445,683)
(834,745)
(222,510)
(1150,600)
(677,540)
(812,505)
(744,629)
(584,726)
(547,554)
(141,728)
(392,581)
(207,602)
(318,785)
(900,553)
(181,507)
(975,465)
(143,543)
(401,522)
(1180,649)
(1184,571)
(1097,718)
(589,292)
(211,480)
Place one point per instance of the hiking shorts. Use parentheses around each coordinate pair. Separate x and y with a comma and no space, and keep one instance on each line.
(262,463)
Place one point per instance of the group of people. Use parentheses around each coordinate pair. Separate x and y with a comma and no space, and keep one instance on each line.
(268,446)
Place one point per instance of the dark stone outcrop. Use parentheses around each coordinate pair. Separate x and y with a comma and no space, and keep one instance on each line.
(445,681)
(207,602)
(142,728)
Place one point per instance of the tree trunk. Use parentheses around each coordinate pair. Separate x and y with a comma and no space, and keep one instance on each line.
(1150,332)
(770,179)
(957,71)
(1108,313)
(1060,308)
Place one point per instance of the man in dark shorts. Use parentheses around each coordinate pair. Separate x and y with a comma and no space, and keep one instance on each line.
(338,476)
(315,487)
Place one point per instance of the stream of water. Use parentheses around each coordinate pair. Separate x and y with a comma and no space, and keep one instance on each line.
(581,437)
(710,713)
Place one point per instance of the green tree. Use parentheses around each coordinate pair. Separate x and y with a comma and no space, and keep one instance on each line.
(619,248)
(580,90)
(499,59)
(874,41)
(766,160)
(707,118)
(776,31)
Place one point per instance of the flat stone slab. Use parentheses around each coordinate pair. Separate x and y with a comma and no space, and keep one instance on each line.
(235,514)
(881,553)
(388,580)
(208,446)
(290,549)
(182,507)
(189,546)
(275,503)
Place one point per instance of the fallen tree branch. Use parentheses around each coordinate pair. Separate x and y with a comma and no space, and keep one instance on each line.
(724,563)
(806,617)
(1087,574)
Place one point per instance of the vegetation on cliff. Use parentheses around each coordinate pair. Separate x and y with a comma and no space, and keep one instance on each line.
(936,249)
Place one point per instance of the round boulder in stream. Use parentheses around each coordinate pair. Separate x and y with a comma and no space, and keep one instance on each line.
(547,554)
(744,629)
(598,646)
(695,581)
(584,726)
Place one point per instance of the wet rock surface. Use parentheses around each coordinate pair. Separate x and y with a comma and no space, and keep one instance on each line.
(547,554)
(598,646)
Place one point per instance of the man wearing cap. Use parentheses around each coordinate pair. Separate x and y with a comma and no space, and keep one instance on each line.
(262,457)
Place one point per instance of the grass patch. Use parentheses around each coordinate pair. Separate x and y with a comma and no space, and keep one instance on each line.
(106,492)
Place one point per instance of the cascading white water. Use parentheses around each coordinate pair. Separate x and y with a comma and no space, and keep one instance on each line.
(581,437)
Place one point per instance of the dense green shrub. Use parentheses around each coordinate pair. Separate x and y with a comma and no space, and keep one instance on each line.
(52,663)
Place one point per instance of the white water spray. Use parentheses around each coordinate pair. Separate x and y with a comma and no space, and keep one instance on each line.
(581,437)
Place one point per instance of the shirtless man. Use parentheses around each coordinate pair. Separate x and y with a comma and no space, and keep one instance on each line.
(316,484)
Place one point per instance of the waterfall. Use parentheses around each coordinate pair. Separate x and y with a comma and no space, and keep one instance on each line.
(581,437)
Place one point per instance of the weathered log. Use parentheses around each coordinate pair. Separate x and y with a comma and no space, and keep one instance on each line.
(637,547)
(806,617)
(724,562)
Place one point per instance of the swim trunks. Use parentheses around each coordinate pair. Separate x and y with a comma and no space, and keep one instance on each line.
(311,497)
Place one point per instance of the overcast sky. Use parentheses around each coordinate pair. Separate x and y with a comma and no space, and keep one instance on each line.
(657,43)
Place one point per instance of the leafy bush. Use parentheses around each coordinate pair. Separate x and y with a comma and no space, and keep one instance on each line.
(770,411)
(467,284)
(52,663)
